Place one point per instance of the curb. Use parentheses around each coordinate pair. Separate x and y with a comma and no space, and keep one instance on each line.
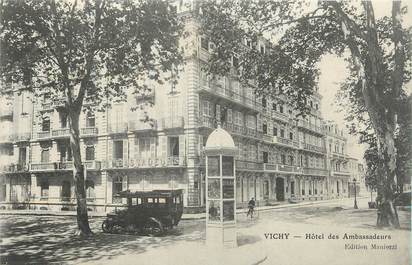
(184,216)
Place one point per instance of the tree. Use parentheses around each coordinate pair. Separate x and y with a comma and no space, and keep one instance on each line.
(86,50)
(379,61)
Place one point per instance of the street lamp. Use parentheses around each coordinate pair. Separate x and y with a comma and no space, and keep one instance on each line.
(355,206)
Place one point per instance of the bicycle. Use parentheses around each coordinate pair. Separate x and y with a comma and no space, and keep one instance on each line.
(250,212)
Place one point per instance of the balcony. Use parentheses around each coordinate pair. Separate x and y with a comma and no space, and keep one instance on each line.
(15,168)
(313,148)
(46,106)
(340,173)
(6,111)
(281,168)
(61,133)
(152,162)
(242,101)
(43,135)
(66,165)
(339,156)
(315,171)
(311,127)
(141,126)
(6,138)
(249,165)
(285,141)
(90,165)
(89,132)
(117,128)
(22,137)
(289,168)
(280,116)
(43,166)
(173,122)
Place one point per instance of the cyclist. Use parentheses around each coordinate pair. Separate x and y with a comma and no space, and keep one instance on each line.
(251,206)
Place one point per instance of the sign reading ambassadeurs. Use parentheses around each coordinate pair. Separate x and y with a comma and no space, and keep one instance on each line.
(171,161)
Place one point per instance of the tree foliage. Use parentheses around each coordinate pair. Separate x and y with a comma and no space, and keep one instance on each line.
(80,50)
(379,63)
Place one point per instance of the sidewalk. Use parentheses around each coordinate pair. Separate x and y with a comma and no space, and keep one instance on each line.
(184,216)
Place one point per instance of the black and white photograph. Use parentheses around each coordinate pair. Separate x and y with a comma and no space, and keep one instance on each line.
(205,132)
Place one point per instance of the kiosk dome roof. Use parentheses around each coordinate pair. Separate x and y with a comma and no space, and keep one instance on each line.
(220,139)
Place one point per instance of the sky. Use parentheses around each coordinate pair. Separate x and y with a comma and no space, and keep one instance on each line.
(333,71)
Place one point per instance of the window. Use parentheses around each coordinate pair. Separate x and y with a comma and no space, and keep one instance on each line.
(144,147)
(63,119)
(66,191)
(45,125)
(90,153)
(173,146)
(22,155)
(44,189)
(265,157)
(90,120)
(275,131)
(283,159)
(291,160)
(118,149)
(116,188)
(207,108)
(204,43)
(282,133)
(316,106)
(90,193)
(238,118)
(291,135)
(311,104)
(274,106)
(281,108)
(65,153)
(251,122)
(262,49)
(229,116)
(235,61)
(45,155)
(265,128)
(264,102)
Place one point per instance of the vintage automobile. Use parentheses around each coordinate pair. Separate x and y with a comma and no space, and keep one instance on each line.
(147,212)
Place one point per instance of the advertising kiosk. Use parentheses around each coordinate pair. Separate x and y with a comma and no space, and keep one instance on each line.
(220,190)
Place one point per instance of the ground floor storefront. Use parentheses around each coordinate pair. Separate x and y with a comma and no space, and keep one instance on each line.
(55,190)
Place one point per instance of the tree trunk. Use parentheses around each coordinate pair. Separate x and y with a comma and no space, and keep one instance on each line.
(387,214)
(78,175)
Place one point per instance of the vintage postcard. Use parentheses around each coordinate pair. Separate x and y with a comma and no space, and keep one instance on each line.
(205,132)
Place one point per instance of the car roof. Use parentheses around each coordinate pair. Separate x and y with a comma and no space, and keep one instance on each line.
(151,193)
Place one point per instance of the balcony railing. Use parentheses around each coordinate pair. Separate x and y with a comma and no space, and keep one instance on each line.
(310,126)
(89,131)
(173,122)
(248,165)
(138,125)
(22,137)
(153,162)
(114,128)
(283,168)
(230,94)
(66,165)
(43,135)
(315,171)
(15,168)
(314,148)
(43,166)
(339,155)
(340,173)
(7,111)
(280,116)
(6,138)
(63,132)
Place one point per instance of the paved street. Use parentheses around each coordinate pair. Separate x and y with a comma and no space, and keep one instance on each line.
(46,239)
